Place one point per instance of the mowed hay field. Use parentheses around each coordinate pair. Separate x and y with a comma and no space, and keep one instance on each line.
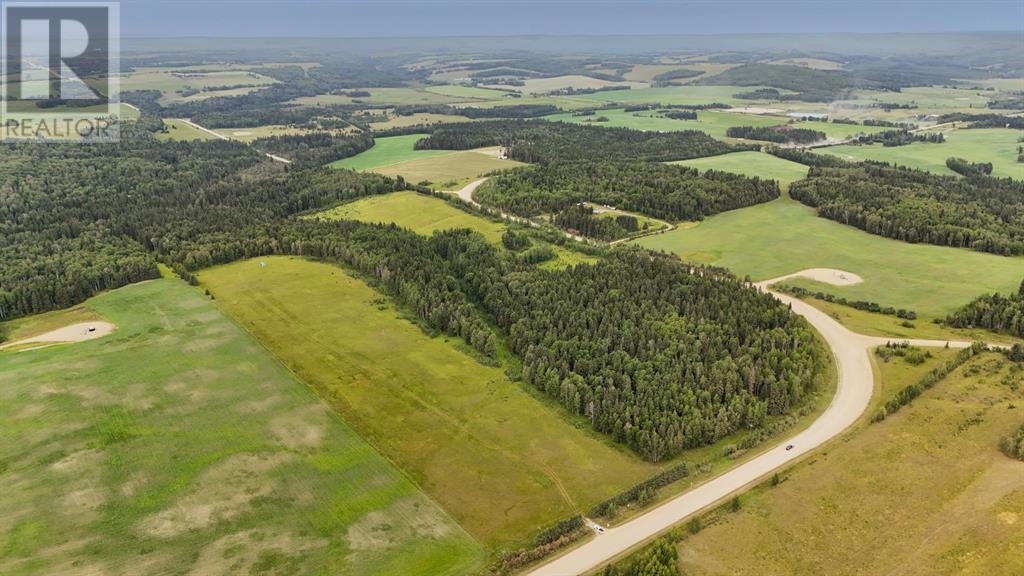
(178,130)
(178,445)
(396,156)
(925,492)
(752,164)
(387,151)
(995,145)
(426,215)
(784,236)
(501,459)
(451,170)
(712,123)
(421,214)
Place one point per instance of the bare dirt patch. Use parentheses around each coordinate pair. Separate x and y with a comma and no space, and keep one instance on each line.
(73,333)
(755,110)
(301,429)
(237,553)
(825,275)
(405,520)
(221,493)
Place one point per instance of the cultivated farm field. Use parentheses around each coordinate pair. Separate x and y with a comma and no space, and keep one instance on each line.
(388,151)
(421,214)
(396,156)
(501,459)
(995,145)
(845,511)
(177,444)
(751,164)
(178,130)
(711,122)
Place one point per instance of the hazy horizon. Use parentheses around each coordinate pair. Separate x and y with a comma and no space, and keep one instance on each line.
(485,18)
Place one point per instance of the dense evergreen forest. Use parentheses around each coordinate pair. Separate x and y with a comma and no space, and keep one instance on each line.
(581,219)
(901,137)
(660,356)
(779,134)
(977,212)
(541,141)
(996,312)
(77,220)
(315,148)
(659,190)
(691,355)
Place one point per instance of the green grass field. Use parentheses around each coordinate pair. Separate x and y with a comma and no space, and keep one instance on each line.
(839,131)
(421,214)
(875,324)
(750,163)
(675,95)
(926,492)
(396,156)
(425,215)
(995,145)
(178,130)
(415,119)
(467,92)
(449,171)
(783,236)
(544,85)
(394,96)
(503,460)
(387,151)
(178,445)
(171,81)
(712,123)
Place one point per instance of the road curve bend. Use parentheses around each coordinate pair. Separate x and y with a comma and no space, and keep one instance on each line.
(853,393)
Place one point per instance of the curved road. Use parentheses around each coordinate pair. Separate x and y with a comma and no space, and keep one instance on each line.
(856,381)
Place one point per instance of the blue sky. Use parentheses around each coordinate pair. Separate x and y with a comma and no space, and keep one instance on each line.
(376,18)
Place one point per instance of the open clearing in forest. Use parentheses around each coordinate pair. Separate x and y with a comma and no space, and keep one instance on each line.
(499,457)
(387,151)
(675,95)
(995,145)
(425,215)
(577,81)
(393,96)
(179,130)
(397,156)
(845,511)
(784,236)
(752,164)
(172,83)
(177,444)
(421,214)
(712,122)
(450,170)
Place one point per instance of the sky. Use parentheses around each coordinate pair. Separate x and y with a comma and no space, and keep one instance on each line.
(412,18)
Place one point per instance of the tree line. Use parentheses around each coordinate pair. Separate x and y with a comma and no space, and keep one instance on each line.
(995,312)
(315,148)
(541,142)
(784,134)
(900,137)
(980,213)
